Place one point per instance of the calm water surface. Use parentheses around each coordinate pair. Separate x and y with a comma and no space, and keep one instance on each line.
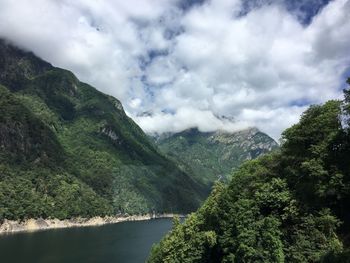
(127,242)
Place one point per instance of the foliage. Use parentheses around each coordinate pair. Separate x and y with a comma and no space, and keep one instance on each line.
(70,150)
(288,206)
(44,193)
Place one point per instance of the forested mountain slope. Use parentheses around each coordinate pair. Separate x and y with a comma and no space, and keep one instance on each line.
(288,206)
(210,156)
(70,150)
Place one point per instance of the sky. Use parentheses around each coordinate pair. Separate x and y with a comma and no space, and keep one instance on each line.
(210,64)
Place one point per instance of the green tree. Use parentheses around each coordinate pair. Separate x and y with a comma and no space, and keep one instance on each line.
(288,206)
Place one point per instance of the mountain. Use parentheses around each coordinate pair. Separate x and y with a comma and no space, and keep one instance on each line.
(69,150)
(210,156)
(291,205)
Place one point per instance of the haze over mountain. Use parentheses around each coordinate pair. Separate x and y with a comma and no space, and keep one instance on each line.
(259,63)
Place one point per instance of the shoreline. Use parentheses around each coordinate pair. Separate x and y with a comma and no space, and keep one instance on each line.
(33,225)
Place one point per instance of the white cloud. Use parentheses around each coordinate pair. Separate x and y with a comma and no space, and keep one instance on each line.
(188,67)
(187,117)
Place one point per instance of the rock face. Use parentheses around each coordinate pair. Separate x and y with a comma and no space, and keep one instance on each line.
(110,133)
(214,155)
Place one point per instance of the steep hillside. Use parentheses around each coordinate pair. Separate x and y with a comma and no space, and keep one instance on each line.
(214,155)
(288,206)
(67,147)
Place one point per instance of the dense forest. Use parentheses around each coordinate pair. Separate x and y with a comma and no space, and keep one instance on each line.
(289,206)
(68,150)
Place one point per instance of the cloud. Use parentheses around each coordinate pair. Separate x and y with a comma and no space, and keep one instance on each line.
(186,117)
(188,63)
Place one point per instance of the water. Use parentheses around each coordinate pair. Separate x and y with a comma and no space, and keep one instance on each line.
(127,242)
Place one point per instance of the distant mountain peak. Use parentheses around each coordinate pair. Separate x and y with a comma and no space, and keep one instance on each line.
(215,154)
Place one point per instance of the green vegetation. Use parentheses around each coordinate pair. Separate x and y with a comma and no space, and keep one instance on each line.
(69,150)
(210,156)
(288,206)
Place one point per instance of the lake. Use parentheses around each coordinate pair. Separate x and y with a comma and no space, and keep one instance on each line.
(127,242)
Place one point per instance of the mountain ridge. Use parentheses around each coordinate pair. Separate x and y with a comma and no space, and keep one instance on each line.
(100,153)
(214,155)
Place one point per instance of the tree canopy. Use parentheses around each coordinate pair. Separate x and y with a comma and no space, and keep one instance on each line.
(288,206)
